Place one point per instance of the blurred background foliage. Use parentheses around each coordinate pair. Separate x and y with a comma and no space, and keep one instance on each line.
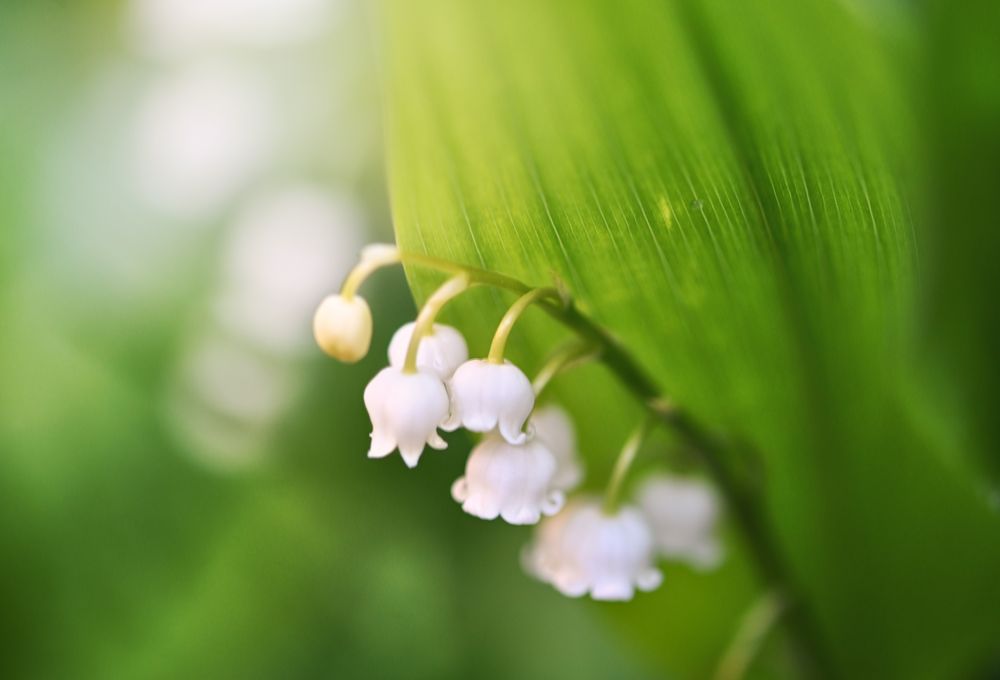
(183,487)
(183,483)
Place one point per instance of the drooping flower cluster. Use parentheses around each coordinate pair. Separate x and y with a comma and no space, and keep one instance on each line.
(587,549)
(512,473)
(527,461)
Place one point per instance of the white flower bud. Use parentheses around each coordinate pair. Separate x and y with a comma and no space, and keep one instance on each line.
(405,409)
(682,514)
(552,426)
(486,396)
(584,550)
(343,327)
(441,351)
(512,481)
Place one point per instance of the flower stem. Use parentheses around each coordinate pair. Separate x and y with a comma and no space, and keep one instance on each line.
(630,450)
(561,360)
(425,319)
(373,259)
(475,274)
(746,506)
(499,345)
(753,629)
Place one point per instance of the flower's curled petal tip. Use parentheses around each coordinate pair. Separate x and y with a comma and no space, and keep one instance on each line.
(436,442)
(513,437)
(613,592)
(460,490)
(381,446)
(452,422)
(411,456)
(649,580)
(512,429)
(553,503)
(478,511)
(521,517)
(570,587)
(475,422)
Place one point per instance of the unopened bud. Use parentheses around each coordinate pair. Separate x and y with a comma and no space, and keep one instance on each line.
(343,327)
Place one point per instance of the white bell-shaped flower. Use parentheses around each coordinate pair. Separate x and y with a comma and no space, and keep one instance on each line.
(441,351)
(343,327)
(487,396)
(682,514)
(513,481)
(405,409)
(552,426)
(584,550)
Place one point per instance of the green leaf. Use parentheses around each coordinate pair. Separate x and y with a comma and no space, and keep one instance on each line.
(723,186)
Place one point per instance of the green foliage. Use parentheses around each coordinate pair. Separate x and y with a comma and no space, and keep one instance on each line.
(724,186)
(125,552)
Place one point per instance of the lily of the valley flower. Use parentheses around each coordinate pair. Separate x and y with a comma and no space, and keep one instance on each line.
(405,410)
(487,396)
(553,428)
(584,550)
(441,351)
(343,327)
(513,481)
(682,514)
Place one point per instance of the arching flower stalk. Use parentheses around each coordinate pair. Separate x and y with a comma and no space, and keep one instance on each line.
(519,471)
(551,424)
(342,324)
(493,393)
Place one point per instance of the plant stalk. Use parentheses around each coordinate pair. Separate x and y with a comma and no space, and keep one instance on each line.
(612,497)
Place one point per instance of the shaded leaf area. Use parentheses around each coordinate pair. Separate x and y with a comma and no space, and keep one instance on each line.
(960,329)
(723,186)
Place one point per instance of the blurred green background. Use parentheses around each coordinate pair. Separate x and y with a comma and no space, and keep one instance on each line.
(183,485)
